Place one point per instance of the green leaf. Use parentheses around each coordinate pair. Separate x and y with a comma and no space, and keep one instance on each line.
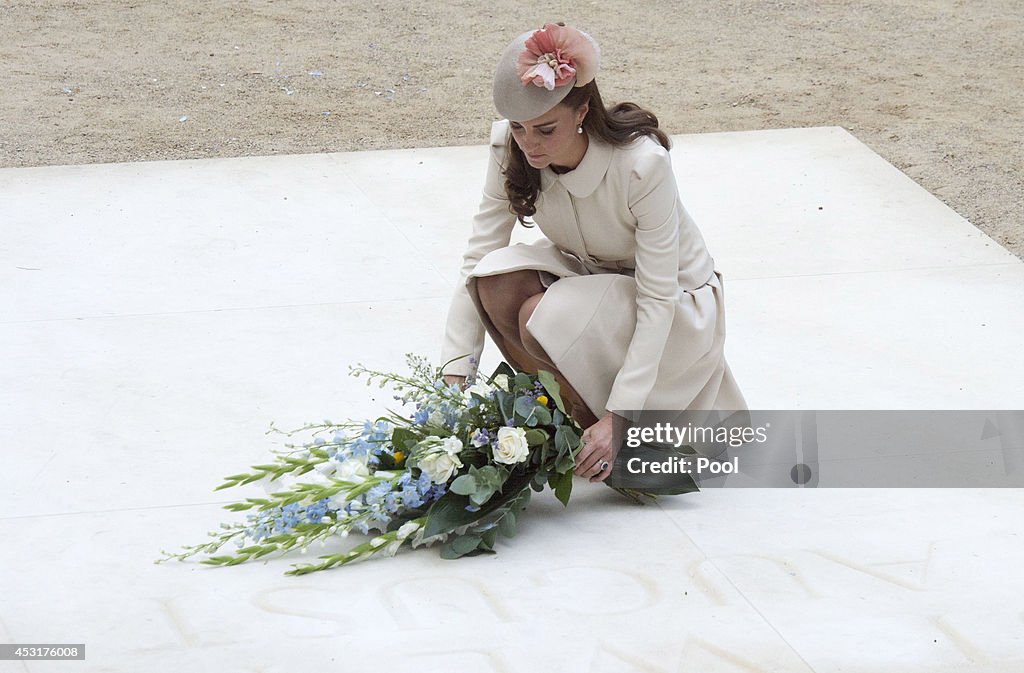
(522,381)
(535,437)
(464,485)
(563,487)
(506,404)
(565,463)
(404,439)
(567,442)
(545,452)
(547,379)
(502,368)
(460,546)
(542,414)
(557,418)
(538,481)
(489,475)
(449,511)
(525,407)
(507,524)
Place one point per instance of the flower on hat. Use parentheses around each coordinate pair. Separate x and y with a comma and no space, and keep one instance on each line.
(555,54)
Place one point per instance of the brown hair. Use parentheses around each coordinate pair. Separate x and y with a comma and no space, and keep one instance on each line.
(618,125)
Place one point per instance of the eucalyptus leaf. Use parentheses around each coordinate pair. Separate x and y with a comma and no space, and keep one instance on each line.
(563,487)
(449,511)
(465,543)
(565,463)
(454,549)
(535,436)
(525,407)
(547,379)
(489,476)
(506,403)
(464,485)
(507,524)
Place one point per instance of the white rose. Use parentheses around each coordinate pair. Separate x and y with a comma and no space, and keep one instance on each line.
(436,418)
(481,389)
(501,380)
(352,469)
(440,466)
(512,447)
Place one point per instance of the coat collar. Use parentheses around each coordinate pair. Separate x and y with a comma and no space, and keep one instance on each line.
(584,179)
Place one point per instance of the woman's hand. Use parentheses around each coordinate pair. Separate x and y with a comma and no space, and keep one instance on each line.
(598,449)
(460,381)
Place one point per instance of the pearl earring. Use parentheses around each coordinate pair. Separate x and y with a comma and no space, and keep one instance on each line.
(579,129)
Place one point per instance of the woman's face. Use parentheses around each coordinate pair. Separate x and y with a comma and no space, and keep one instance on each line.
(552,138)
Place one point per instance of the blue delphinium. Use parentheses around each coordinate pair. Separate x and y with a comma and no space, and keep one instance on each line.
(315,512)
(421,416)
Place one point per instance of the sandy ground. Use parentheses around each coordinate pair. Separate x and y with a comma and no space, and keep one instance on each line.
(934,86)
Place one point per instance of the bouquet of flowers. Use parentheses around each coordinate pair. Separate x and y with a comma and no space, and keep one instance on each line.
(457,467)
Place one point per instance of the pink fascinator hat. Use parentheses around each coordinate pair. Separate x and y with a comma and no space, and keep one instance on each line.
(540,67)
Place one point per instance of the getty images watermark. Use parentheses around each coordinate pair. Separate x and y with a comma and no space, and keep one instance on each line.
(817,449)
(678,436)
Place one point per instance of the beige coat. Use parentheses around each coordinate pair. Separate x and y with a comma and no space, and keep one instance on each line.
(633,316)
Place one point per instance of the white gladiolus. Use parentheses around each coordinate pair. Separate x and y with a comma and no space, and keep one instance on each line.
(407,529)
(512,447)
(352,469)
(327,468)
(451,445)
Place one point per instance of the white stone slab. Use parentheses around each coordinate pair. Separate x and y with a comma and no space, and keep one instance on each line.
(157,237)
(141,411)
(559,596)
(185,305)
(944,338)
(873,579)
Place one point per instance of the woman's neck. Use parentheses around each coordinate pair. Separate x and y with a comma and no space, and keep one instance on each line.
(581,151)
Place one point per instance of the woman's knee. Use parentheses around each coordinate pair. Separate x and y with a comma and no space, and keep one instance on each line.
(502,295)
(532,346)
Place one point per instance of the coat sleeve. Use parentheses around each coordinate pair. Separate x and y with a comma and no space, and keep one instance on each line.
(653,199)
(492,229)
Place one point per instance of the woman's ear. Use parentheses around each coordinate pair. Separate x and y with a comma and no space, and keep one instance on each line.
(581,112)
